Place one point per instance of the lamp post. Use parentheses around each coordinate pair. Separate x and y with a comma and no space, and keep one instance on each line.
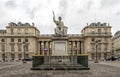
(24,44)
(96,53)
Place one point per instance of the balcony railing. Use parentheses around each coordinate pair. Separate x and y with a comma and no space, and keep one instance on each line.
(21,34)
(98,34)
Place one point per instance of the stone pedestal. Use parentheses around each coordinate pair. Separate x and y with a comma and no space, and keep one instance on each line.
(59,46)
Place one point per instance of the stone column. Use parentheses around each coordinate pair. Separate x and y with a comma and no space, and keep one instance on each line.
(42,47)
(1,56)
(46,46)
(74,43)
(38,52)
(82,46)
(70,47)
(78,47)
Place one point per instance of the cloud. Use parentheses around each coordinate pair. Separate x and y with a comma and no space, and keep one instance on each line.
(63,7)
(118,13)
(11,4)
(108,3)
(75,13)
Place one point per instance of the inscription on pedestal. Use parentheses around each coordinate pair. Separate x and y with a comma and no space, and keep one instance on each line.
(59,48)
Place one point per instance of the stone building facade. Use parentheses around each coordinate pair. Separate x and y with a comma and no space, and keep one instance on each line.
(11,41)
(101,33)
(13,48)
(116,43)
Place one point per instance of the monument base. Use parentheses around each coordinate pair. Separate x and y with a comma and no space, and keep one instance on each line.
(59,63)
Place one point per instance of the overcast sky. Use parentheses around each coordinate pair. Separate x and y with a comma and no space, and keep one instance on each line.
(75,13)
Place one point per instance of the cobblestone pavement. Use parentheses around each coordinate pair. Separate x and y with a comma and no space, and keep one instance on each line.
(102,69)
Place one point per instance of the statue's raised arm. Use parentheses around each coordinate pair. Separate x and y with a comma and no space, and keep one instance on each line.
(53,16)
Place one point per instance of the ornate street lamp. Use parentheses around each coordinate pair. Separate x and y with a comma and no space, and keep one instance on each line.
(96,59)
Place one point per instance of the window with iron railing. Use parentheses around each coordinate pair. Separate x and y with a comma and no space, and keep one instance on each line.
(19,48)
(12,47)
(99,47)
(99,31)
(105,40)
(105,31)
(12,31)
(92,47)
(105,47)
(3,47)
(26,48)
(19,56)
(26,31)
(19,31)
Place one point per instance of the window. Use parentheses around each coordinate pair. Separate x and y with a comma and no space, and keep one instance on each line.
(2,40)
(26,40)
(12,31)
(92,47)
(99,31)
(12,56)
(19,56)
(99,47)
(12,47)
(12,39)
(26,31)
(105,47)
(105,39)
(93,31)
(2,32)
(26,48)
(26,55)
(19,40)
(105,30)
(19,48)
(3,47)
(19,31)
(93,39)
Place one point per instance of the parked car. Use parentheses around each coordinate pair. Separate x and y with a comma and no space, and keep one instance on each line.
(27,59)
(112,58)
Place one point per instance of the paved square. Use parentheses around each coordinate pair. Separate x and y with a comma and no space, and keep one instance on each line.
(18,69)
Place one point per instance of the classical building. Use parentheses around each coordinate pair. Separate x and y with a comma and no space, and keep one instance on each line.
(116,41)
(100,33)
(11,41)
(20,41)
